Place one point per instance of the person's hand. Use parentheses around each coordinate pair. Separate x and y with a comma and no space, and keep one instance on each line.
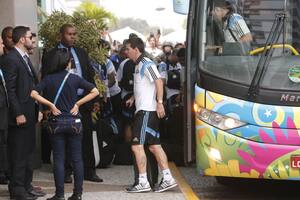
(129,102)
(54,110)
(160,110)
(21,119)
(40,117)
(75,109)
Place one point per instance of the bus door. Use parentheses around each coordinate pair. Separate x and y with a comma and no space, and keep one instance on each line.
(181,7)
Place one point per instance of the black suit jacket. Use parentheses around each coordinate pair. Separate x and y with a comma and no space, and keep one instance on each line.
(20,82)
(3,101)
(88,72)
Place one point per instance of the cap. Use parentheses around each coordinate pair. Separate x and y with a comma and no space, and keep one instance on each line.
(166,44)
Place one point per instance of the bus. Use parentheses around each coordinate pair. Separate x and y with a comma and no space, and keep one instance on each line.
(243,97)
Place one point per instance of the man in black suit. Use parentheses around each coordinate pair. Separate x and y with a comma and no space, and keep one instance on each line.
(80,66)
(3,121)
(20,79)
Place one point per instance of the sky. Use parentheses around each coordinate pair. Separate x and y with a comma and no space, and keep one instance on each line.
(147,10)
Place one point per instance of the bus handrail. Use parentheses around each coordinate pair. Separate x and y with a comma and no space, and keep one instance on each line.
(258,50)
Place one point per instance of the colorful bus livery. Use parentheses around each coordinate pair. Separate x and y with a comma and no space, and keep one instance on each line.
(237,138)
(242,74)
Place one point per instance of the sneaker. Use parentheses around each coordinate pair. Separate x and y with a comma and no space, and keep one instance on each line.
(141,187)
(75,197)
(56,198)
(165,185)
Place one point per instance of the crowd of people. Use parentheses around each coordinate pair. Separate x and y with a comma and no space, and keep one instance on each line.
(143,83)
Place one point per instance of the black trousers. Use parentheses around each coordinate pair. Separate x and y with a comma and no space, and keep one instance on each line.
(21,145)
(3,152)
(116,103)
(87,144)
(46,145)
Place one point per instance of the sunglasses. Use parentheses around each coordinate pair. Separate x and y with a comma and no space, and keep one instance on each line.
(30,37)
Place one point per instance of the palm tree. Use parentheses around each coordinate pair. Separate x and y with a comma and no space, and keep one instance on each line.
(98,14)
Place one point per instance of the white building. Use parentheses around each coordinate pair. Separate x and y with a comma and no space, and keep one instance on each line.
(51,5)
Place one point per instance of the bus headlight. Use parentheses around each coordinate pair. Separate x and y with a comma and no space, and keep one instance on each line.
(217,120)
(215,154)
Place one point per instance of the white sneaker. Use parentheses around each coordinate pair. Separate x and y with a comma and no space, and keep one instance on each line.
(165,185)
(141,187)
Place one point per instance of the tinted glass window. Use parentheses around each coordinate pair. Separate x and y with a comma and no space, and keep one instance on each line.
(234,28)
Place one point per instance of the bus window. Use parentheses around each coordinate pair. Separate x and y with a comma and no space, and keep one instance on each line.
(236,30)
(227,31)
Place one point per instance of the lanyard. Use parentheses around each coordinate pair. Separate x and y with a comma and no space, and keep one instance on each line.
(60,88)
(2,77)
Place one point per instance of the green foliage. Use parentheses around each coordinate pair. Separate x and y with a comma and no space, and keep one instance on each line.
(99,14)
(49,30)
(89,21)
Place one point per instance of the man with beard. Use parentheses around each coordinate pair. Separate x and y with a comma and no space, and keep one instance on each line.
(20,79)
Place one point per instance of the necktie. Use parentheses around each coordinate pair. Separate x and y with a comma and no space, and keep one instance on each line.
(26,58)
(73,66)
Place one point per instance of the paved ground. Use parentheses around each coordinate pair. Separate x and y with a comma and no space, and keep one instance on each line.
(207,188)
(116,178)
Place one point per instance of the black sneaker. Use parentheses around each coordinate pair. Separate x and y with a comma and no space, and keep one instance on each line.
(141,187)
(165,185)
(56,198)
(75,197)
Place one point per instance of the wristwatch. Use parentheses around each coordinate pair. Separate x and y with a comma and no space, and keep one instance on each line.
(159,101)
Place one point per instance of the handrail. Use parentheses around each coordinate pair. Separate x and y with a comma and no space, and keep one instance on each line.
(258,50)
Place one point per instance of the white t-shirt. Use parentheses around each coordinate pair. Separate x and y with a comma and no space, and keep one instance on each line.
(154,52)
(115,89)
(120,76)
(145,74)
(163,70)
(238,27)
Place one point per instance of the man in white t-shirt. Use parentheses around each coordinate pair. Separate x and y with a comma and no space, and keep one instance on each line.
(148,97)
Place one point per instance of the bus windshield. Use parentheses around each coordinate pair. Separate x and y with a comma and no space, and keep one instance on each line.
(236,33)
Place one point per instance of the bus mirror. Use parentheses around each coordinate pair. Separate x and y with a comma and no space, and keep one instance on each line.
(181,6)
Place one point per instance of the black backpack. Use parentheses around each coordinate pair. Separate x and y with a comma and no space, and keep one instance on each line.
(127,76)
(173,78)
(106,143)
